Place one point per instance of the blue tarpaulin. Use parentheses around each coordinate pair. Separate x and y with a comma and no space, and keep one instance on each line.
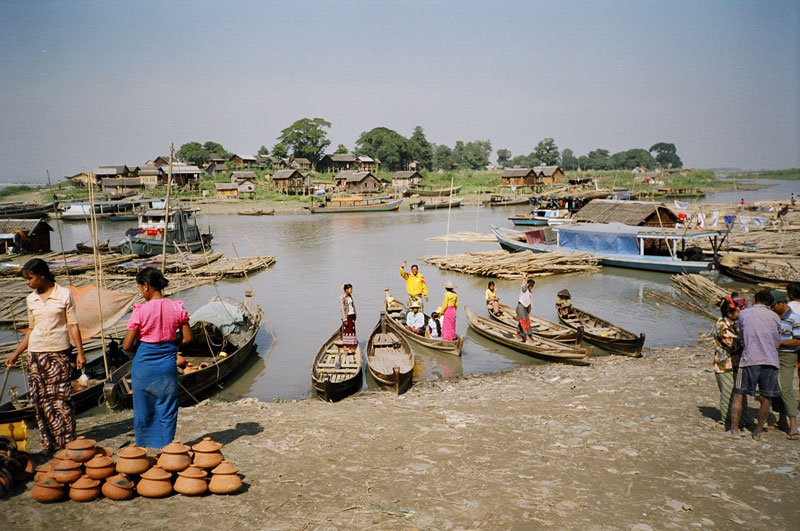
(615,238)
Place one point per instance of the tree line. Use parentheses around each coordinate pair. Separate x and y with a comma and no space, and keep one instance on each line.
(307,138)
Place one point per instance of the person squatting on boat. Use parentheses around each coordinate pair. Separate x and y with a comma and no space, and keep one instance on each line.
(348,308)
(416,287)
(152,335)
(786,405)
(564,305)
(52,323)
(448,311)
(760,331)
(727,352)
(434,328)
(524,304)
(492,300)
(415,320)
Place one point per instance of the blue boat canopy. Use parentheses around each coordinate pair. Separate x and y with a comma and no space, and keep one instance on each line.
(601,238)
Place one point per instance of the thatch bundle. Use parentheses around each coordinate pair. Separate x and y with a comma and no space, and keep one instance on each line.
(506,265)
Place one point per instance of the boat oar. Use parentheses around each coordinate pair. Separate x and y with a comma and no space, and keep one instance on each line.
(5,381)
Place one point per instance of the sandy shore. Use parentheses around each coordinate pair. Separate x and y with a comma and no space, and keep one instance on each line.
(625,443)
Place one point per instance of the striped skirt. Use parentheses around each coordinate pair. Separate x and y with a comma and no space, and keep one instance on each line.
(349,332)
(51,395)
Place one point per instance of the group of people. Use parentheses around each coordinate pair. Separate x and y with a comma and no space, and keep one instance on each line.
(152,339)
(756,348)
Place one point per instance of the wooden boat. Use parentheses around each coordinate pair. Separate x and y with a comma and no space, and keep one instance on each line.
(431,192)
(23,210)
(541,327)
(395,309)
(389,357)
(214,354)
(339,205)
(336,374)
(422,204)
(680,193)
(183,233)
(539,347)
(506,200)
(102,247)
(541,217)
(256,212)
(760,270)
(606,334)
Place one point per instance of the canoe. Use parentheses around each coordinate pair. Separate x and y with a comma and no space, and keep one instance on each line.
(760,270)
(432,192)
(423,205)
(540,347)
(215,355)
(389,357)
(541,327)
(379,204)
(606,334)
(498,201)
(256,212)
(395,309)
(334,373)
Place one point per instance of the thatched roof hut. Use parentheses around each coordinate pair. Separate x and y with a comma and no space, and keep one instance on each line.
(635,213)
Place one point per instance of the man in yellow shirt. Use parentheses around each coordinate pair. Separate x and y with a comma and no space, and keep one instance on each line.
(415,285)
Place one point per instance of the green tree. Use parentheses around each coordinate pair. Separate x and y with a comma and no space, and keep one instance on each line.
(341,149)
(473,155)
(666,155)
(392,148)
(595,160)
(546,152)
(263,151)
(421,149)
(632,158)
(307,138)
(568,160)
(443,157)
(216,149)
(280,150)
(193,153)
(503,157)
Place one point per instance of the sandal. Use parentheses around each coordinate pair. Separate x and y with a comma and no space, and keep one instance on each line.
(793,436)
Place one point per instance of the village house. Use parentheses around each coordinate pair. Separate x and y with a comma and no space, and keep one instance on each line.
(216,167)
(159,161)
(182,174)
(403,180)
(291,182)
(237,176)
(245,161)
(83,179)
(357,182)
(103,172)
(547,175)
(150,176)
(226,190)
(336,162)
(635,213)
(24,235)
(301,164)
(365,163)
(121,185)
(518,177)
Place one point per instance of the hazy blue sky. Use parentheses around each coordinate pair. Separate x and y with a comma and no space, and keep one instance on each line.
(85,83)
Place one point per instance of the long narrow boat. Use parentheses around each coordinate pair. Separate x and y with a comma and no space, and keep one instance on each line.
(541,217)
(22,210)
(339,205)
(541,327)
(394,311)
(423,205)
(256,212)
(432,192)
(502,200)
(760,270)
(336,374)
(223,335)
(389,357)
(606,334)
(539,347)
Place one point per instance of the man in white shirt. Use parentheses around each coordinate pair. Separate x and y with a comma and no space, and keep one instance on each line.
(415,320)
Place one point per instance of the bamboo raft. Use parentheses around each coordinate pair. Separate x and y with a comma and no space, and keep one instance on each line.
(466,237)
(76,263)
(510,266)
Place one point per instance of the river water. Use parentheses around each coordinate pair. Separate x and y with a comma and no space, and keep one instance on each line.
(316,254)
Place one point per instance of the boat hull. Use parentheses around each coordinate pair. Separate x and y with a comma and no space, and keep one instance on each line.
(390,360)
(448,347)
(145,247)
(541,327)
(616,339)
(333,384)
(379,207)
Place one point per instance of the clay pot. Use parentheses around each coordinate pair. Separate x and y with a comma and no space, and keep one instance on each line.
(175,457)
(67,471)
(6,481)
(191,482)
(60,455)
(118,487)
(204,365)
(132,460)
(207,454)
(155,483)
(10,468)
(47,490)
(99,450)
(25,466)
(44,471)
(225,479)
(99,467)
(189,368)
(84,490)
(180,361)
(81,449)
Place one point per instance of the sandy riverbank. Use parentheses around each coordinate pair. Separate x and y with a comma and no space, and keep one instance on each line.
(625,443)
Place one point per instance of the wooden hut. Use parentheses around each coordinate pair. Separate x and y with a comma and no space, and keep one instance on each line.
(365,163)
(336,162)
(290,182)
(518,177)
(357,182)
(636,213)
(549,174)
(237,176)
(25,235)
(245,161)
(121,185)
(300,164)
(226,190)
(402,180)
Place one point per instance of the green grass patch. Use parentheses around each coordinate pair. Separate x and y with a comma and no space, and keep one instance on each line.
(791,174)
(10,191)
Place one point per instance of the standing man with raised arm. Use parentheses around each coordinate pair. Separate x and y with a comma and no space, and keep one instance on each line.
(415,285)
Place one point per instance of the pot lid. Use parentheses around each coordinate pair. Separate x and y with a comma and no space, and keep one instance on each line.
(175,447)
(47,467)
(66,464)
(193,472)
(48,482)
(225,468)
(99,461)
(132,452)
(157,473)
(81,443)
(120,480)
(207,445)
(60,455)
(85,482)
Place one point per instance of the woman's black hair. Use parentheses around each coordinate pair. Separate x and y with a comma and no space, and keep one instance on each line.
(152,277)
(491,283)
(793,290)
(37,266)
(726,308)
(434,316)
(346,287)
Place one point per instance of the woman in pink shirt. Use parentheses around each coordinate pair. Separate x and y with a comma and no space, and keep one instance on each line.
(154,376)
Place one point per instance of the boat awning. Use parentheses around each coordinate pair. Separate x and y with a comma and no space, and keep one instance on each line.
(227,317)
(599,237)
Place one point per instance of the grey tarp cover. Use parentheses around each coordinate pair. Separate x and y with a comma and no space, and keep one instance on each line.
(227,317)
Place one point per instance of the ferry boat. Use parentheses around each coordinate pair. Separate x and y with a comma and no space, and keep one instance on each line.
(183,234)
(338,205)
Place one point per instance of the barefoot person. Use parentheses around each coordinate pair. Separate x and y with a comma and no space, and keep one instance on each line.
(727,352)
(415,285)
(348,307)
(787,356)
(448,311)
(524,304)
(492,300)
(758,368)
(52,322)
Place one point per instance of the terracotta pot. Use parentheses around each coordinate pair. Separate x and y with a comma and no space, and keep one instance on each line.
(11,468)
(191,482)
(66,471)
(99,467)
(204,365)
(180,361)
(60,455)
(225,479)
(25,466)
(175,457)
(81,449)
(8,445)
(6,481)
(132,460)
(155,483)
(99,450)
(47,490)
(44,471)
(84,490)
(207,453)
(118,487)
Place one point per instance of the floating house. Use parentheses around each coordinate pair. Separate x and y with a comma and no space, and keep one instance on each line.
(24,236)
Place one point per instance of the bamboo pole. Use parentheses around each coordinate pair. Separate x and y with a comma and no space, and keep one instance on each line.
(166,212)
(98,278)
(58,221)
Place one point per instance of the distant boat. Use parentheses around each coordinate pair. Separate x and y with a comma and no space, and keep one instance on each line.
(506,200)
(389,357)
(336,374)
(22,210)
(679,193)
(339,205)
(605,334)
(183,234)
(255,212)
(431,192)
(541,216)
(615,244)
(423,204)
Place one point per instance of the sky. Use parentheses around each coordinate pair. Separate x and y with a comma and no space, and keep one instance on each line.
(88,83)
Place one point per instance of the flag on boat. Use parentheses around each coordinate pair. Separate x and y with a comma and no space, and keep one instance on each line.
(681,205)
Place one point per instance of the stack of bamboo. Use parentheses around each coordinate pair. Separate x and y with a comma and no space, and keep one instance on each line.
(698,286)
(506,265)
(465,237)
